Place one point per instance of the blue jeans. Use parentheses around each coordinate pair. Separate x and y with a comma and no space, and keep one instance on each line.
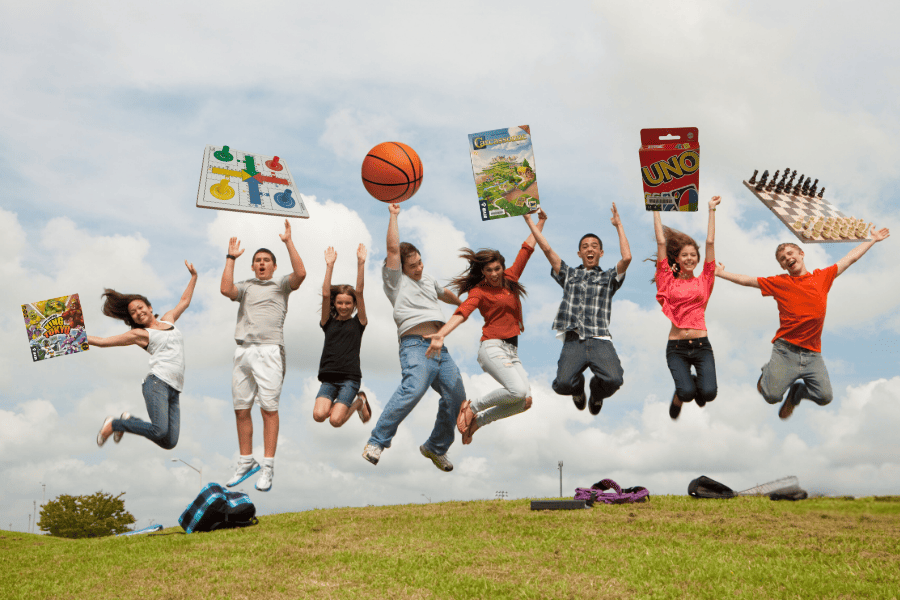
(577,355)
(680,355)
(790,363)
(165,416)
(420,373)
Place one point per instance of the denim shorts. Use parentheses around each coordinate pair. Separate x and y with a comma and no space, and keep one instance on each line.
(343,392)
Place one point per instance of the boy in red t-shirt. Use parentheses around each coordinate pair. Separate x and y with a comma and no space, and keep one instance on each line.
(802,299)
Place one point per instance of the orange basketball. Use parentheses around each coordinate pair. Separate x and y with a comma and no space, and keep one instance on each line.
(392,172)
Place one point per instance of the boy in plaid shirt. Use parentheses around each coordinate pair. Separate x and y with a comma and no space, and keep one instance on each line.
(583,318)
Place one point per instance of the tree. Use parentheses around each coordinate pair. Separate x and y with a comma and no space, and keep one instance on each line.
(525,164)
(97,515)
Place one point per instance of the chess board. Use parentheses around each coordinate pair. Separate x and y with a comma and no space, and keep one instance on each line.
(790,209)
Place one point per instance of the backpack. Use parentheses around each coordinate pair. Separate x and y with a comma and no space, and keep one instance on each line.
(704,487)
(215,508)
(596,494)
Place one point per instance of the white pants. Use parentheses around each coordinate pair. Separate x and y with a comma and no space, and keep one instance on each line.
(257,376)
(500,360)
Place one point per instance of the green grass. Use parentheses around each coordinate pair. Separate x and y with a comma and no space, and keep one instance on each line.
(671,547)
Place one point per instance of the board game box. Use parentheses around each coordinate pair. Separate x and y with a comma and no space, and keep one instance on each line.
(55,327)
(505,175)
(670,168)
(236,180)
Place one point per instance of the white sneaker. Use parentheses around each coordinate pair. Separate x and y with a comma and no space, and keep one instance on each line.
(117,435)
(243,472)
(439,460)
(264,483)
(372,453)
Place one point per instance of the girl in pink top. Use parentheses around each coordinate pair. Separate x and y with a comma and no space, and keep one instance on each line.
(683,298)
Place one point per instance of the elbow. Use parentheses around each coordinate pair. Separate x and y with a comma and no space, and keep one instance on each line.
(626,259)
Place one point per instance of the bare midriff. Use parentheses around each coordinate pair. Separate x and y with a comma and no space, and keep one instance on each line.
(677,333)
(427,328)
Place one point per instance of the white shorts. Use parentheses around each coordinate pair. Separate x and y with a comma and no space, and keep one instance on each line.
(257,376)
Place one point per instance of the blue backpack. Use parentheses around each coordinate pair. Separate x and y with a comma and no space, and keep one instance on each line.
(216,508)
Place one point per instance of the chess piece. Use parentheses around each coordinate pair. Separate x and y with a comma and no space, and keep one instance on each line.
(762,181)
(790,183)
(752,180)
(799,186)
(772,182)
(805,189)
(812,189)
(821,192)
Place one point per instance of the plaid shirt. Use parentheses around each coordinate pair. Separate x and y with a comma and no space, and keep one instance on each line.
(587,296)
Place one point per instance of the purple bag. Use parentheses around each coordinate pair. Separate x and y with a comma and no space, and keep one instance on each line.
(596,494)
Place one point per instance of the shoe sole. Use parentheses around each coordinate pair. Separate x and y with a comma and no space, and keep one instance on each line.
(100,439)
(595,408)
(249,473)
(263,489)
(434,458)
(372,460)
(579,404)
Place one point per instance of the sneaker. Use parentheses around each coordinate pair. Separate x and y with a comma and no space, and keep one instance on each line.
(580,400)
(101,439)
(117,435)
(372,453)
(244,471)
(787,408)
(674,409)
(594,406)
(264,483)
(439,460)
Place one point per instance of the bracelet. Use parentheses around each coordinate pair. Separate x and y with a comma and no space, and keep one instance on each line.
(231,256)
(712,209)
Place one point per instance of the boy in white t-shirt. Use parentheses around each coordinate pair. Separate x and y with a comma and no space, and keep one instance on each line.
(417,313)
(259,363)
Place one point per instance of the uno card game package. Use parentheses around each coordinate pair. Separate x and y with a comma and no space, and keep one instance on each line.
(670,168)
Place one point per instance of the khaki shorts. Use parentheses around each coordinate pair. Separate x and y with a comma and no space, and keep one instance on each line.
(257,376)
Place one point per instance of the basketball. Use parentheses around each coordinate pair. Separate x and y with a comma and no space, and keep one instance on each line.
(392,172)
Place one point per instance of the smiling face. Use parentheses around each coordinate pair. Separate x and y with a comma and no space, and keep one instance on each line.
(263,266)
(589,252)
(344,305)
(493,273)
(140,312)
(791,260)
(687,259)
(413,267)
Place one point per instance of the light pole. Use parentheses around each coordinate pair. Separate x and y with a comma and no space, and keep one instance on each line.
(426,497)
(200,470)
(560,479)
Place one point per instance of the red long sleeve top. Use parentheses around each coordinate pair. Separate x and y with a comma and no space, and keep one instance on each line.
(500,308)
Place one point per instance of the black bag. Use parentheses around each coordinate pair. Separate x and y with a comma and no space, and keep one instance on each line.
(216,508)
(704,487)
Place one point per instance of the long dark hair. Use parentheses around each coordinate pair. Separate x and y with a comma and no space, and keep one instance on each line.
(473,276)
(116,306)
(675,241)
(341,289)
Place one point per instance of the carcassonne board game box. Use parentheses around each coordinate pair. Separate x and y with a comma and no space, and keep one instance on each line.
(670,168)
(505,175)
(55,327)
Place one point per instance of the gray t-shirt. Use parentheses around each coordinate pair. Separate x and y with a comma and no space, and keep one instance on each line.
(414,301)
(263,306)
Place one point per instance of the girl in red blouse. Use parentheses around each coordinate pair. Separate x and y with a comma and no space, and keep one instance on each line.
(496,292)
(683,298)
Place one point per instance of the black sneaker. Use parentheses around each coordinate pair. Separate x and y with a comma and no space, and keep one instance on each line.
(580,401)
(674,409)
(595,405)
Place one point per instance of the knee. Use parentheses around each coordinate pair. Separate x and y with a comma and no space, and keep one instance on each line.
(320,415)
(518,390)
(563,389)
(527,403)
(824,398)
(769,397)
(707,394)
(168,444)
(335,422)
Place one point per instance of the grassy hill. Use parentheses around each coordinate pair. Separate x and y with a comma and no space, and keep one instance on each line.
(671,547)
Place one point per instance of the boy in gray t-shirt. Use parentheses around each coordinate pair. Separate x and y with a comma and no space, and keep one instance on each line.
(259,363)
(414,297)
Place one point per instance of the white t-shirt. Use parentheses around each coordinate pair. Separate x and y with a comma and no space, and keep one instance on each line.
(414,302)
(166,348)
(263,307)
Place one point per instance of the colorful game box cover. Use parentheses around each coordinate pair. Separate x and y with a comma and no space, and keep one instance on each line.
(505,175)
(670,168)
(245,182)
(55,327)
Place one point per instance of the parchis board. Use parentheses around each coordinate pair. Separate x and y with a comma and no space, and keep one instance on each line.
(505,175)
(55,327)
(245,182)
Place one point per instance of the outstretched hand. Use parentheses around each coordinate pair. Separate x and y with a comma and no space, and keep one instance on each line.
(437,342)
(615,220)
(234,247)
(361,254)
(720,268)
(330,256)
(286,236)
(190,268)
(714,202)
(394,208)
(881,234)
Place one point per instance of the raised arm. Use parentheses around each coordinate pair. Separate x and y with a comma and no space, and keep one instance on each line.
(330,257)
(227,287)
(744,280)
(437,339)
(623,263)
(552,256)
(360,281)
(660,236)
(542,218)
(299,273)
(393,239)
(137,336)
(855,254)
(185,301)
(711,231)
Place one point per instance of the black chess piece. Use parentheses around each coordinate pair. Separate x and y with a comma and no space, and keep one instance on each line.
(790,182)
(762,181)
(772,182)
(798,186)
(753,179)
(780,187)
(822,191)
(805,189)
(812,189)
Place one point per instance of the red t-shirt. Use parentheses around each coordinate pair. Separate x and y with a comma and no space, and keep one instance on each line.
(684,300)
(801,305)
(500,308)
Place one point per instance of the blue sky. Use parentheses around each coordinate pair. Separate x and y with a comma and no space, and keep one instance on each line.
(107,108)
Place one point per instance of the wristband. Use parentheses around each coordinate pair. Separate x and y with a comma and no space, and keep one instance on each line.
(231,256)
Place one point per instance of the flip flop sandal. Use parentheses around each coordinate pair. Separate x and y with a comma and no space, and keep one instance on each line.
(368,408)
(471,428)
(461,423)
